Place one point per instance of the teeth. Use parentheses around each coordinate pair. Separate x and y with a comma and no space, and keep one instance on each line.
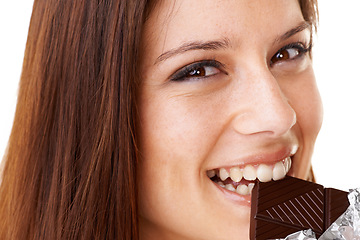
(249,172)
(210,173)
(251,186)
(236,174)
(287,164)
(230,187)
(223,174)
(264,173)
(279,171)
(242,189)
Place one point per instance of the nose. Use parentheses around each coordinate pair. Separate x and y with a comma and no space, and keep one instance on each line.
(267,109)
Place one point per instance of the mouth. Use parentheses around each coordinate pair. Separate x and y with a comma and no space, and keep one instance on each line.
(241,179)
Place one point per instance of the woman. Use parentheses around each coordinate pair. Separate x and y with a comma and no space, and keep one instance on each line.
(151,119)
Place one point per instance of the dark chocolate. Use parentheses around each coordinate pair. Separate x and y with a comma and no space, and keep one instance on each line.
(279,208)
(335,205)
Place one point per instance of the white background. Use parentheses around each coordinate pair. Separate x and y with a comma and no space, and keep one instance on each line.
(336,63)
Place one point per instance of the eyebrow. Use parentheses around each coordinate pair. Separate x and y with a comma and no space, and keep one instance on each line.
(299,28)
(196,45)
(222,44)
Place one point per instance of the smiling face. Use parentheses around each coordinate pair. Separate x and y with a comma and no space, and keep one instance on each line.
(227,95)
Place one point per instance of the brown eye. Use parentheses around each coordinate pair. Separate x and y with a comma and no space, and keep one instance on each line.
(198,72)
(285,54)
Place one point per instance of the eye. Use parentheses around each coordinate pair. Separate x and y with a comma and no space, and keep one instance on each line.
(197,70)
(289,52)
(202,72)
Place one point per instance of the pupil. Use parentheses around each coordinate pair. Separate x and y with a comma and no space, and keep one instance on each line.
(198,72)
(283,54)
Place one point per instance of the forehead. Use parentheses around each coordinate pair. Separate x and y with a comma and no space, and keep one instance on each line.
(173,22)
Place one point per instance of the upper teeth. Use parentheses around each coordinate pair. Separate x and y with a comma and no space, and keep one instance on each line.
(223,174)
(236,174)
(263,172)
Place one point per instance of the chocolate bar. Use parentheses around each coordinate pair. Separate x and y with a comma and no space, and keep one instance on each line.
(279,208)
(336,204)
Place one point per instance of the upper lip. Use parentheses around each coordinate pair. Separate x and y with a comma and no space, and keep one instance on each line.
(268,157)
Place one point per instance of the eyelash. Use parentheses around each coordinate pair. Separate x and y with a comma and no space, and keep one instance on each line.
(301,47)
(182,73)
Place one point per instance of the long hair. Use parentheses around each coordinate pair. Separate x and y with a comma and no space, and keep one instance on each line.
(70,165)
(70,168)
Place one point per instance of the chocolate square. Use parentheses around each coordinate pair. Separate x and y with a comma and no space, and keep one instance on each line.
(279,208)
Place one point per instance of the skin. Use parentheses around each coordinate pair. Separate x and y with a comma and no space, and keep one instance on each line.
(249,110)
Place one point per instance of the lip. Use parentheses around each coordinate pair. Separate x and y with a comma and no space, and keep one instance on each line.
(269,157)
(239,200)
(266,158)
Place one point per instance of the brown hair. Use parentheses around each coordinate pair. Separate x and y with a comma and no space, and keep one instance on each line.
(70,166)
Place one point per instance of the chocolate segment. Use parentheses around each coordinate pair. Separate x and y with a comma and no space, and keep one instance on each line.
(336,204)
(279,208)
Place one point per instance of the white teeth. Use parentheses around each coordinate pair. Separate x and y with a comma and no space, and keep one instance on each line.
(230,187)
(210,173)
(264,173)
(249,172)
(221,184)
(223,174)
(287,164)
(251,186)
(236,174)
(242,189)
(279,171)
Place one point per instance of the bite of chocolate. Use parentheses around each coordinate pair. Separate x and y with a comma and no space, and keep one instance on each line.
(279,208)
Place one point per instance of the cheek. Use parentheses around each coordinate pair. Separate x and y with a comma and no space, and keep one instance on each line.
(307,105)
(178,128)
(174,142)
(169,147)
(304,97)
(302,93)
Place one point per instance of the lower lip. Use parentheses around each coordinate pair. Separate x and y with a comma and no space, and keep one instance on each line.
(242,200)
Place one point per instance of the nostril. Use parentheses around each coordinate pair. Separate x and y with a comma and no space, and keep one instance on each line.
(272,118)
(264,107)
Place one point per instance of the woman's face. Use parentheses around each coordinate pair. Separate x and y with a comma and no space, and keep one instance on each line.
(227,89)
